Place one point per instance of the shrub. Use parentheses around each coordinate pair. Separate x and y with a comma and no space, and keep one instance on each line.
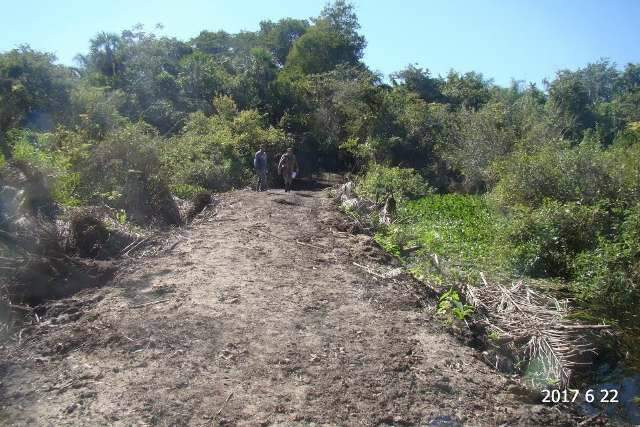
(186,191)
(586,173)
(449,304)
(133,147)
(159,201)
(543,242)
(381,181)
(478,139)
(216,152)
(609,275)
(40,157)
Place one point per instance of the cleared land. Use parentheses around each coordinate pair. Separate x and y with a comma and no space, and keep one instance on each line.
(256,315)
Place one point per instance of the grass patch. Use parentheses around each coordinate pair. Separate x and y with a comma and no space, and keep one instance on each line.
(459,230)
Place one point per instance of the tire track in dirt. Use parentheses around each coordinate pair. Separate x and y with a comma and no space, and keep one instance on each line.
(257,317)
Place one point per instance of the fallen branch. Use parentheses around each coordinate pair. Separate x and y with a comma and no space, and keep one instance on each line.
(369,270)
(224,404)
(535,327)
(128,246)
(21,307)
(176,243)
(133,248)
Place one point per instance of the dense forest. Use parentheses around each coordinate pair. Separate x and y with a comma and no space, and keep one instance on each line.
(520,180)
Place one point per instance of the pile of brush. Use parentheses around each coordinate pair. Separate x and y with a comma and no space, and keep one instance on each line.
(365,214)
(534,329)
(47,250)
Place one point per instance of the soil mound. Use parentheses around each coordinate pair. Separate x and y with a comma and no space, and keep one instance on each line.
(198,203)
(88,234)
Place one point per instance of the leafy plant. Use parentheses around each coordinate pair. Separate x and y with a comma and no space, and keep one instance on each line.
(121,216)
(449,304)
(459,229)
(543,242)
(186,191)
(381,181)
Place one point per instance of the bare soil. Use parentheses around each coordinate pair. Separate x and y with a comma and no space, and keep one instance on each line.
(256,315)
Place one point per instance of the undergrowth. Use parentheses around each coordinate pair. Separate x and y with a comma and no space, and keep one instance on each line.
(445,234)
(447,240)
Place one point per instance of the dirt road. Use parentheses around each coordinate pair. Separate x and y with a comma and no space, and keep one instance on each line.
(256,316)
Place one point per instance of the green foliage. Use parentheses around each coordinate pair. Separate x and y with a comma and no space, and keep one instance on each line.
(121,216)
(449,304)
(186,191)
(96,111)
(33,89)
(332,40)
(96,171)
(65,189)
(38,151)
(609,275)
(460,230)
(454,225)
(319,50)
(381,181)
(217,152)
(477,139)
(585,173)
(543,242)
(419,81)
(279,37)
(469,90)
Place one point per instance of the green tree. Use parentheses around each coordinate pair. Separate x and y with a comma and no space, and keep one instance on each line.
(332,40)
(105,57)
(34,91)
(419,80)
(279,37)
(469,90)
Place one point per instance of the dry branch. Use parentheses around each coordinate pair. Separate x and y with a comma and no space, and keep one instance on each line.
(224,404)
(369,270)
(535,327)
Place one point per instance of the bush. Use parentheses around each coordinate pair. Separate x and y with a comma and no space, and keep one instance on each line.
(609,275)
(382,181)
(130,148)
(186,191)
(586,173)
(216,152)
(39,155)
(478,138)
(159,201)
(543,242)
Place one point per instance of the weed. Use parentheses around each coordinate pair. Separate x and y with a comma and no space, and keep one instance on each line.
(450,304)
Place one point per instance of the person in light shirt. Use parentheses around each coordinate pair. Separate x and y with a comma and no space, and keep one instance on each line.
(288,168)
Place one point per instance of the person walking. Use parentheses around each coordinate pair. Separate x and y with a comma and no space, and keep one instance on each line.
(260,165)
(288,168)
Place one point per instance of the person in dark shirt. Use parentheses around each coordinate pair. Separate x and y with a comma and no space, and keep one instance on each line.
(260,165)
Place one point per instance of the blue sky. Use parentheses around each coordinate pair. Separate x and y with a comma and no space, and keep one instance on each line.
(523,39)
